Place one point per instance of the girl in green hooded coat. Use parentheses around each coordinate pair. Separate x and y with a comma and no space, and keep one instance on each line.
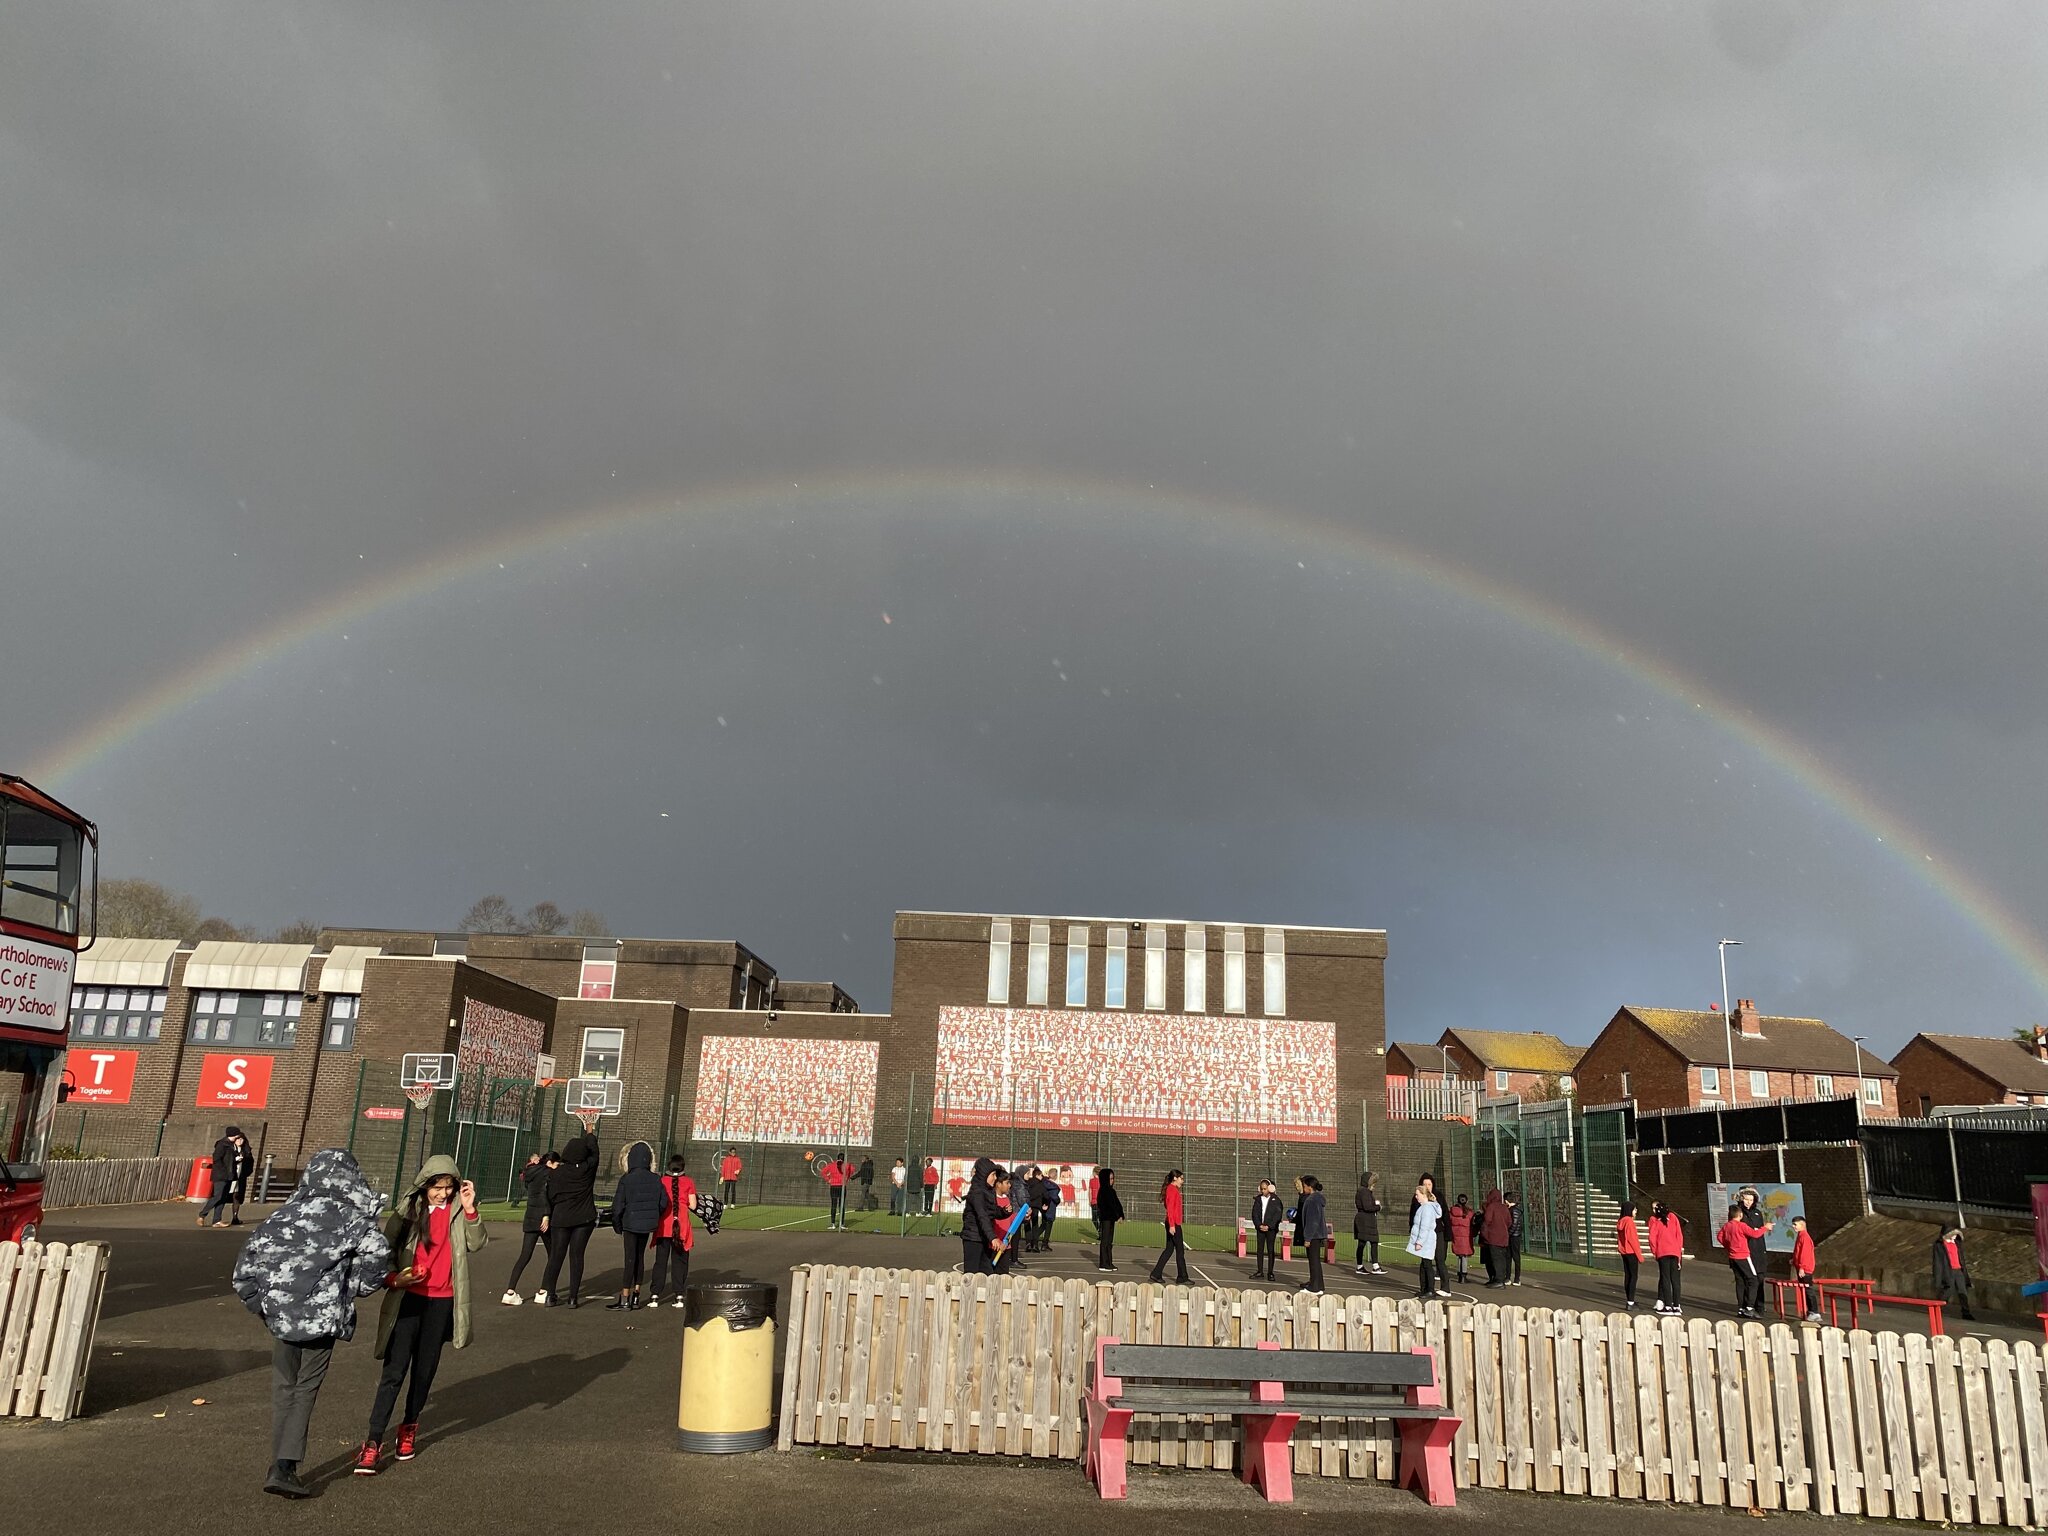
(433,1232)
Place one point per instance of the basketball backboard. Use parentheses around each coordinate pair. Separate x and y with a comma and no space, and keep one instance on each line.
(593,1095)
(427,1069)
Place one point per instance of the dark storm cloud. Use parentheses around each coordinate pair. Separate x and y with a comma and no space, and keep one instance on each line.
(1724,326)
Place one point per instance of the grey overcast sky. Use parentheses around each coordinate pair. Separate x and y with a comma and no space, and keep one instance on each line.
(1429,467)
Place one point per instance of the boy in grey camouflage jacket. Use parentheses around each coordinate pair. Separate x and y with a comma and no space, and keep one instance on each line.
(301,1272)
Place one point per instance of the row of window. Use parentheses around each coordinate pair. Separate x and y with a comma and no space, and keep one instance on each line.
(118,1013)
(1760,1086)
(1116,967)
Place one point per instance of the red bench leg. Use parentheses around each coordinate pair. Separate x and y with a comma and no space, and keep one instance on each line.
(1108,1448)
(1268,1454)
(1426,1458)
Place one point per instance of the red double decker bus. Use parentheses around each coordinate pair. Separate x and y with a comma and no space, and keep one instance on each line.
(49,877)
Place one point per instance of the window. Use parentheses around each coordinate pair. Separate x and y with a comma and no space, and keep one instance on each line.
(1077,967)
(100,1013)
(1155,965)
(342,1013)
(1710,1080)
(1195,975)
(1037,963)
(1873,1090)
(600,970)
(999,961)
(1233,970)
(1115,966)
(1273,983)
(40,862)
(1759,1085)
(602,1049)
(1823,1087)
(247,1018)
(1500,1082)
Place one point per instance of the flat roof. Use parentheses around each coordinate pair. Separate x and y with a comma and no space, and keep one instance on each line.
(1168,922)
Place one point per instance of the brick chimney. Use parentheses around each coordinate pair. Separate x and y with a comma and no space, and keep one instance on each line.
(1747,1020)
(2041,1041)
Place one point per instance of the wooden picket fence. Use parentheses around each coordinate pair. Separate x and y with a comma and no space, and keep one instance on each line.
(1664,1410)
(68,1183)
(49,1310)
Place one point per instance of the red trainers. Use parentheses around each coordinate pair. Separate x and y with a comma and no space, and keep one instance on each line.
(407,1433)
(366,1459)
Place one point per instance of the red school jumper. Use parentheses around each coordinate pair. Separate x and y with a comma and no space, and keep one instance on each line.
(1174,1205)
(1628,1239)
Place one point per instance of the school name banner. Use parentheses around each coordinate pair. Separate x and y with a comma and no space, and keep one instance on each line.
(1167,1074)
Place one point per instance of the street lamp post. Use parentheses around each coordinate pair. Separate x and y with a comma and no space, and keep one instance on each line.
(1728,1019)
(1860,1089)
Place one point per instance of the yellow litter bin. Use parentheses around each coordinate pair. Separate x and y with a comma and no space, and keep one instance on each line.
(728,1395)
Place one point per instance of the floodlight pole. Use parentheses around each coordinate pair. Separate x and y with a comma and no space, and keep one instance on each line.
(1728,1019)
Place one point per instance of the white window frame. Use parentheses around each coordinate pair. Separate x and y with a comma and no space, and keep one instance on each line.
(999,961)
(1194,980)
(1038,965)
(1116,966)
(1233,970)
(1756,1092)
(1077,965)
(619,1050)
(1155,965)
(1500,1080)
(1873,1090)
(1710,1082)
(1273,973)
(1823,1085)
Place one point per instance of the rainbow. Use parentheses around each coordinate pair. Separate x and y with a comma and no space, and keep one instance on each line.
(2013,936)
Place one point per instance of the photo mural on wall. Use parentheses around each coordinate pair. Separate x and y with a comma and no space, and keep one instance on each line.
(495,1055)
(793,1092)
(1137,1073)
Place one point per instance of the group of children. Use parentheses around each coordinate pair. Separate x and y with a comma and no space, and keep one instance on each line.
(1742,1238)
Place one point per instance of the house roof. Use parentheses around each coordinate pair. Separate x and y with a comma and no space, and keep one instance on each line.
(2005,1062)
(1423,1058)
(1504,1050)
(1786,1045)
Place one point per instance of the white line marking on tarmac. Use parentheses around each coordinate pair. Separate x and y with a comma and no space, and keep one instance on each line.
(784,1226)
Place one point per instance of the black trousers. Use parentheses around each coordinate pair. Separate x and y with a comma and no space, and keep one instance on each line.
(931,1192)
(566,1242)
(1667,1280)
(1748,1288)
(636,1260)
(1176,1249)
(732,1191)
(1105,1249)
(974,1257)
(1490,1253)
(838,1203)
(1368,1248)
(1268,1251)
(528,1241)
(1427,1277)
(1314,1252)
(1514,1266)
(1631,1266)
(1807,1303)
(423,1326)
(670,1256)
(1958,1297)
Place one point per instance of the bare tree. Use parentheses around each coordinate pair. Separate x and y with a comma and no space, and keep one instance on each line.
(544,917)
(588,924)
(219,930)
(491,914)
(142,909)
(301,932)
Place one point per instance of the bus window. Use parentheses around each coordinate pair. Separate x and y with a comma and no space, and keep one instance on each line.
(41,862)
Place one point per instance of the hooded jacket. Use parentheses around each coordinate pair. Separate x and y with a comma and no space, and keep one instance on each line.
(572,1187)
(1493,1220)
(307,1262)
(1109,1205)
(535,1178)
(232,1165)
(1365,1225)
(639,1203)
(978,1209)
(464,1238)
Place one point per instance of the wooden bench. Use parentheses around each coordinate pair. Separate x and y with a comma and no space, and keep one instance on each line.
(1270,1388)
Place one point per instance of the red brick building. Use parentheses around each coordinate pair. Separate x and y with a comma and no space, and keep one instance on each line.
(1524,1063)
(1674,1058)
(1407,1060)
(1935,1070)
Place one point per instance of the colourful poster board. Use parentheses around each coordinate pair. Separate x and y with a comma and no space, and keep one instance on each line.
(815,1093)
(1781,1202)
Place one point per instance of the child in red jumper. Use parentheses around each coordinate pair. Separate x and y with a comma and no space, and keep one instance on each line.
(1667,1247)
(1176,1241)
(1736,1235)
(1628,1242)
(676,1235)
(1805,1258)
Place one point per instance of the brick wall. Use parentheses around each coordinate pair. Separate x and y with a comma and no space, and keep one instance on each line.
(1656,1076)
(649,1063)
(1929,1076)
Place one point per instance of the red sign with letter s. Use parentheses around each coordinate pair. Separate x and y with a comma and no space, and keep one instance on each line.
(234,1082)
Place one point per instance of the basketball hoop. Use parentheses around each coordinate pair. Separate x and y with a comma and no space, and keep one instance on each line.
(588,1118)
(421,1094)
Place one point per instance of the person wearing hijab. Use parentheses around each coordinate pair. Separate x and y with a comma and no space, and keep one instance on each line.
(1494,1229)
(301,1272)
(1108,1206)
(432,1233)
(572,1216)
(1365,1224)
(533,1225)
(639,1205)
